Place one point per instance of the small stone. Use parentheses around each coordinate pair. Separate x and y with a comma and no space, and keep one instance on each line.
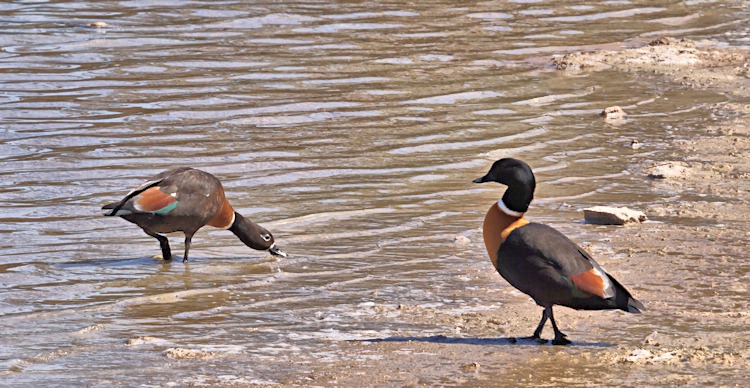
(140,340)
(668,170)
(651,339)
(665,357)
(606,215)
(461,240)
(670,41)
(639,355)
(181,353)
(613,113)
(471,367)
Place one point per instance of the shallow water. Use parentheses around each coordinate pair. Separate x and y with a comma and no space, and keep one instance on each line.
(351,130)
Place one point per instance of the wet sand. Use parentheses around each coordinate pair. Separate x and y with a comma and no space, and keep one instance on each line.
(709,307)
(353,131)
(686,265)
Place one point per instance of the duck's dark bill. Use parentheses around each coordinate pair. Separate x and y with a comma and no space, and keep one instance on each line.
(276,251)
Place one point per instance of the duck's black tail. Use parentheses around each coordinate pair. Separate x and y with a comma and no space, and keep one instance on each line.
(624,300)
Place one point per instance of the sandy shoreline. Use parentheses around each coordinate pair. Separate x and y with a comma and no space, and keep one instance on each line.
(687,265)
(688,268)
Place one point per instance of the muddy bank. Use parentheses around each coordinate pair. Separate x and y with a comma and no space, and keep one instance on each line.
(693,333)
(697,64)
(387,283)
(687,264)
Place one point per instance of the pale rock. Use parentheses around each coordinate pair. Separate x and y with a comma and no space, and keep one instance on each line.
(140,340)
(606,215)
(613,113)
(182,353)
(461,240)
(652,339)
(471,367)
(668,170)
(639,355)
(666,357)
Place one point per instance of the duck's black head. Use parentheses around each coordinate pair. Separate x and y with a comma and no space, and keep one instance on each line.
(254,235)
(517,175)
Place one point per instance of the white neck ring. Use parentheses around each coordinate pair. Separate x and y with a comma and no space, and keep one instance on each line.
(506,210)
(231,222)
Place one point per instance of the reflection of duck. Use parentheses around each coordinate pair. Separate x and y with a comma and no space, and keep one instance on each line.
(541,261)
(185,200)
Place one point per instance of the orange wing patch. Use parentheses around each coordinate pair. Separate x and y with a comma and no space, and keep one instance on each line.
(156,201)
(591,282)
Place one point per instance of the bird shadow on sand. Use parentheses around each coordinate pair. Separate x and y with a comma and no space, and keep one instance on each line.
(504,341)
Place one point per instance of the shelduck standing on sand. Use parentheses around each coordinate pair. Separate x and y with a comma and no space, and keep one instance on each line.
(539,260)
(185,200)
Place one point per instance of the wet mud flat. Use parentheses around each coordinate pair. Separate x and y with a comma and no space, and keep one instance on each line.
(388,283)
(688,264)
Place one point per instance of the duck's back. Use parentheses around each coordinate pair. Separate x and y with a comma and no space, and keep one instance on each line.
(548,245)
(545,264)
(181,199)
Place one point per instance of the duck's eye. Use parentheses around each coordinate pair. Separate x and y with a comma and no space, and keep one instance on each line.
(265,236)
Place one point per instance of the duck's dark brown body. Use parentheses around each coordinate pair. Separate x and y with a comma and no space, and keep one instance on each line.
(185,200)
(539,260)
(197,198)
(543,263)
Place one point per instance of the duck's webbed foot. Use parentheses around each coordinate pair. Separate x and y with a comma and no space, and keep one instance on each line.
(560,337)
(539,340)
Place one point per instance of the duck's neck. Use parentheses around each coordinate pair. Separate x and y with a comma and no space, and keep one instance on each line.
(249,232)
(498,223)
(225,217)
(518,197)
(508,211)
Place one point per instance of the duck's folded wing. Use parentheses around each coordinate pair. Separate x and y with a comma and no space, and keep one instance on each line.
(569,259)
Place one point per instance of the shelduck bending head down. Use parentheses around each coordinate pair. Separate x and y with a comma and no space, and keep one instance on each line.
(539,260)
(185,200)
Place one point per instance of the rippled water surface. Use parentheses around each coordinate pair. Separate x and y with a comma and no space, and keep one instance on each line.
(352,130)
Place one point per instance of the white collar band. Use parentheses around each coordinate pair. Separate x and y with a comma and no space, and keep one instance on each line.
(506,210)
(231,222)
